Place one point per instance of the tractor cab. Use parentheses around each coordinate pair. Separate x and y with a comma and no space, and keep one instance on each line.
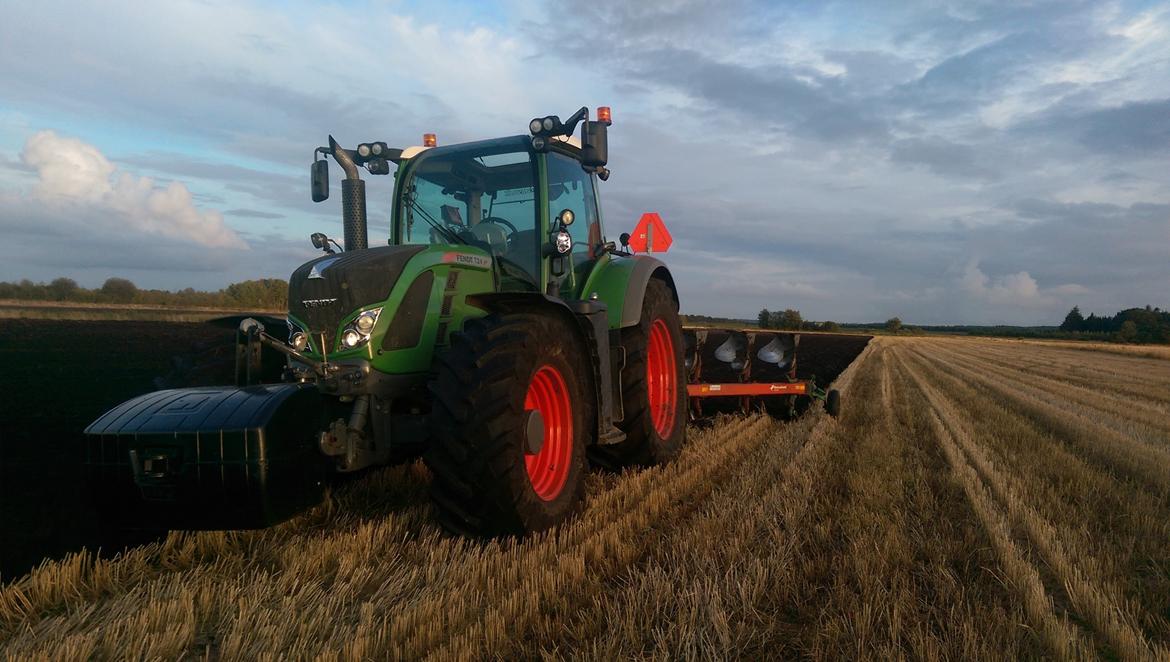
(528,203)
(484,195)
(510,201)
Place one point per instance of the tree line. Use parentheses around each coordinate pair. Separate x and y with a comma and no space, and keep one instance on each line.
(790,320)
(264,293)
(1132,325)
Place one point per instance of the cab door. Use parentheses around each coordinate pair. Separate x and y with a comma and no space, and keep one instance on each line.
(570,187)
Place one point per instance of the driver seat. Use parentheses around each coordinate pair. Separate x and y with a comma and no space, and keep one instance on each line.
(493,235)
(522,250)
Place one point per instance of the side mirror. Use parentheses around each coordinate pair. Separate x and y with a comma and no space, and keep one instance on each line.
(319,177)
(625,239)
(594,144)
(321,241)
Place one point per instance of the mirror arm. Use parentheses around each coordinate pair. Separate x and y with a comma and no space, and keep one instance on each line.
(570,125)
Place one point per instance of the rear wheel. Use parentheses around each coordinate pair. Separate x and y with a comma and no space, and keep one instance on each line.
(654,390)
(512,414)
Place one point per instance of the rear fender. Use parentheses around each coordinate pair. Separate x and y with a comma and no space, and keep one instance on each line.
(621,283)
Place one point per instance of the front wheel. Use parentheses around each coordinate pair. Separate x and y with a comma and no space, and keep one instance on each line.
(511,417)
(654,390)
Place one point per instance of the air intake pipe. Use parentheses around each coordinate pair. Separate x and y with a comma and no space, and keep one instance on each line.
(353,200)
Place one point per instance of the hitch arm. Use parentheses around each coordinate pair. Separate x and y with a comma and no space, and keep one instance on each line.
(253,331)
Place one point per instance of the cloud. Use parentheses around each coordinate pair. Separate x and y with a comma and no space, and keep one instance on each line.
(1139,128)
(940,155)
(76,180)
(252,213)
(1018,289)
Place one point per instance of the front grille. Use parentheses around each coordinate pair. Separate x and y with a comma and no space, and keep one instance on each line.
(343,283)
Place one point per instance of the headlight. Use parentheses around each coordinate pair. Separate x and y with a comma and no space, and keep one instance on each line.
(548,124)
(376,149)
(357,332)
(351,338)
(363,150)
(298,337)
(534,125)
(365,322)
(563,242)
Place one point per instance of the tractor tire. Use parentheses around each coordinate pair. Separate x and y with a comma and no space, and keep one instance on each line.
(654,389)
(486,386)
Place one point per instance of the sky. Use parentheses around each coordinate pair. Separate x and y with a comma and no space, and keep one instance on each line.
(944,162)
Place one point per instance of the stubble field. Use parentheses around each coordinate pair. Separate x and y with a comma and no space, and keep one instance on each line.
(976,500)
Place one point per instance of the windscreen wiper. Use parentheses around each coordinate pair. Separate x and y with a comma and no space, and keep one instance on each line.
(513,270)
(435,224)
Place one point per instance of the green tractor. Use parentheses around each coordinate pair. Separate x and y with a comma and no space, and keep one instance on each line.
(499,334)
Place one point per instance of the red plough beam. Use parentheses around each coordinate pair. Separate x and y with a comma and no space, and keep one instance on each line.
(731,390)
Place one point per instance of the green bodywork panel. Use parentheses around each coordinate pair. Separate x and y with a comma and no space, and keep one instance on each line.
(610,280)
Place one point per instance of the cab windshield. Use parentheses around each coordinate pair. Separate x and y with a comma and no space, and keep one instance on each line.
(483,197)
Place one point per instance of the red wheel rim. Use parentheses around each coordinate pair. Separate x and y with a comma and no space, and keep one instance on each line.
(661,378)
(549,469)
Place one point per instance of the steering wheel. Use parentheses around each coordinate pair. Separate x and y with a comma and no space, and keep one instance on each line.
(499,221)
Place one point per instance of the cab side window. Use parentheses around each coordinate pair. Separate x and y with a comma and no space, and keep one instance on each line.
(570,187)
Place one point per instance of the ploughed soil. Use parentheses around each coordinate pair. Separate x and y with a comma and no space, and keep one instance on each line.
(57,377)
(60,375)
(826,355)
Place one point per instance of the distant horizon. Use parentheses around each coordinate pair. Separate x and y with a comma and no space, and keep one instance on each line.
(749,318)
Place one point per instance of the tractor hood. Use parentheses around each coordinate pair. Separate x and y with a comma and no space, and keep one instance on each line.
(323,291)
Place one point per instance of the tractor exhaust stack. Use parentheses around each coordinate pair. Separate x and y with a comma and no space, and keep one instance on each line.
(353,200)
